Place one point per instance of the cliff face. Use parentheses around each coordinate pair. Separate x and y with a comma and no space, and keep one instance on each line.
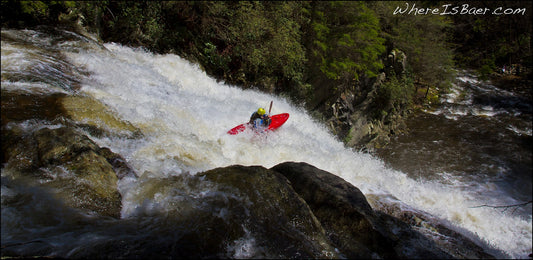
(356,114)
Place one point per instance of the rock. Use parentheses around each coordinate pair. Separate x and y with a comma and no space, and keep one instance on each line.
(445,239)
(272,211)
(58,157)
(396,62)
(19,106)
(229,212)
(351,224)
(71,110)
(352,111)
(342,209)
(119,164)
(81,173)
(95,115)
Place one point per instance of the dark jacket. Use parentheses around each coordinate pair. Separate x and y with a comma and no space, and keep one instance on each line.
(265,119)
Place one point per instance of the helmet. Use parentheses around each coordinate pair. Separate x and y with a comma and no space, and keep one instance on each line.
(261,111)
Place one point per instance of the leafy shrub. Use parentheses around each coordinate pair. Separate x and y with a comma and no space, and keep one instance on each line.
(393,96)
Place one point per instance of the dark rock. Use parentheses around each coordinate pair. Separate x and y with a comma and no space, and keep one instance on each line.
(230,212)
(272,212)
(79,171)
(447,240)
(20,106)
(119,164)
(351,111)
(396,62)
(351,224)
(341,208)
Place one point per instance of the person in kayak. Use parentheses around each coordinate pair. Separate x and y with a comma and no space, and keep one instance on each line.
(260,119)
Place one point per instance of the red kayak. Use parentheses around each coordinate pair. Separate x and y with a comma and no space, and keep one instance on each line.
(277,121)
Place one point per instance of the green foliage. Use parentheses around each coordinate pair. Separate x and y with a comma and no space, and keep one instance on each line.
(91,12)
(267,39)
(393,96)
(31,13)
(34,8)
(248,43)
(286,46)
(134,23)
(346,40)
(488,42)
(423,38)
(214,58)
(487,67)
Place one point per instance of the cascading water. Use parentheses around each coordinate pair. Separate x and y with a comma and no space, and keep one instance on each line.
(184,116)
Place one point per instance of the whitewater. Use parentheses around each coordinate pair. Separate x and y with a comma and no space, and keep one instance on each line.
(184,116)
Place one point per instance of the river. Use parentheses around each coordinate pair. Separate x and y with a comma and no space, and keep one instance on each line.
(184,115)
(479,135)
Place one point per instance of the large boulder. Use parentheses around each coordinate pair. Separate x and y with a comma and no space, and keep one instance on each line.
(446,239)
(269,208)
(229,212)
(341,208)
(78,171)
(44,142)
(351,224)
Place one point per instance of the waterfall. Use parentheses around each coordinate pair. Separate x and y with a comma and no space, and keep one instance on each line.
(184,115)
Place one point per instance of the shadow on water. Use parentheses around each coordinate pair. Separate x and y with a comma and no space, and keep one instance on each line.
(511,104)
(68,233)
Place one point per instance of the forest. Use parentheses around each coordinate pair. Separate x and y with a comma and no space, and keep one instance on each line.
(282,47)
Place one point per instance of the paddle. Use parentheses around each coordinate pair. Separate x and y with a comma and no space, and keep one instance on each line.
(270,107)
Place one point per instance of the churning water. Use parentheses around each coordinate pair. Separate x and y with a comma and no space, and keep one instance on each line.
(184,116)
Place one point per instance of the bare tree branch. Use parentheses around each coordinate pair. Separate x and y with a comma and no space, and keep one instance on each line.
(506,207)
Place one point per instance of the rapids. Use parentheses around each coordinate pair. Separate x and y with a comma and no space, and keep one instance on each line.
(184,115)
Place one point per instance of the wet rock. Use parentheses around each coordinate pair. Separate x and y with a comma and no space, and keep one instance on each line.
(351,224)
(70,110)
(81,173)
(445,239)
(229,212)
(95,115)
(20,106)
(274,214)
(341,208)
(41,141)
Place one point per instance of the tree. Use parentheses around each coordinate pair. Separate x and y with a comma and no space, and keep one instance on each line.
(261,40)
(488,42)
(425,39)
(346,41)
(133,23)
(31,13)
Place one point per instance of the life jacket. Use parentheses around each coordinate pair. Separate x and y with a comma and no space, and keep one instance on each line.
(260,121)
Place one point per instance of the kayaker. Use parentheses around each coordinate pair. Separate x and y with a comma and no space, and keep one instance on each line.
(260,119)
